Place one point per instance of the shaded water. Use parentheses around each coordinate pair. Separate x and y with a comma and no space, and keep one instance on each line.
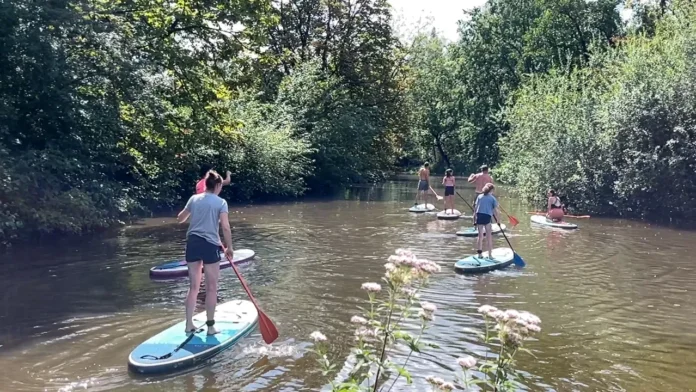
(616,299)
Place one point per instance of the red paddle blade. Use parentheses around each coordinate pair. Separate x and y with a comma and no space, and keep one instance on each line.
(269,333)
(513,220)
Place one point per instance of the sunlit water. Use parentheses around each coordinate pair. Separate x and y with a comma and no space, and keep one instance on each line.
(616,299)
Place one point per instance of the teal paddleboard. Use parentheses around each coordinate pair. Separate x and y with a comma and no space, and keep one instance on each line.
(502,258)
(473,231)
(172,350)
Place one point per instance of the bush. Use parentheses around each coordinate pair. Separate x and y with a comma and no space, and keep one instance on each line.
(616,136)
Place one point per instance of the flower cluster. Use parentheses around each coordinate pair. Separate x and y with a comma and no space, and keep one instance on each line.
(318,336)
(467,362)
(515,327)
(439,383)
(372,287)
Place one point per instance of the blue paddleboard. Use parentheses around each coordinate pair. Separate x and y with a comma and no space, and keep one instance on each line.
(502,258)
(473,231)
(158,354)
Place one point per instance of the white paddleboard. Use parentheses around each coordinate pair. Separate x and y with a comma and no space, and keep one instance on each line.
(422,208)
(541,220)
(234,320)
(449,214)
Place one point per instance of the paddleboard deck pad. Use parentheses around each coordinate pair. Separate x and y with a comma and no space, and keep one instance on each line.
(177,269)
(541,219)
(502,258)
(449,214)
(233,319)
(422,208)
(473,231)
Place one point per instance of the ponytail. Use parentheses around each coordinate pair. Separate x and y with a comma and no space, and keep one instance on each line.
(488,188)
(212,179)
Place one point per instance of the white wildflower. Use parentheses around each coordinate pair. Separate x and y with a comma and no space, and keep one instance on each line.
(358,320)
(318,336)
(487,309)
(428,307)
(371,287)
(467,362)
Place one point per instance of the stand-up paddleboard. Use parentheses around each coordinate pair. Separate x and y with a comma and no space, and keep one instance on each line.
(173,349)
(541,219)
(422,208)
(449,214)
(502,258)
(176,269)
(473,231)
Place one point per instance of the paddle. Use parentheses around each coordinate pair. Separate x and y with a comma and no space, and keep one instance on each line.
(268,329)
(565,216)
(436,195)
(513,220)
(517,259)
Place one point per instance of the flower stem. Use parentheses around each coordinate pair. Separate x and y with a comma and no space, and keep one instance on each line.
(409,355)
(386,340)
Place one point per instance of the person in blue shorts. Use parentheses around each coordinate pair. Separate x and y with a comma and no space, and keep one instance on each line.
(207,211)
(486,209)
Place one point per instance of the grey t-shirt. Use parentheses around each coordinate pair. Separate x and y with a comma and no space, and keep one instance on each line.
(205,209)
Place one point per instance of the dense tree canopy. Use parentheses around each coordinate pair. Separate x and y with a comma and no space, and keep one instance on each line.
(109,109)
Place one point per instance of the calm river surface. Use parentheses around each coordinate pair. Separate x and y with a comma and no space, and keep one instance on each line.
(617,299)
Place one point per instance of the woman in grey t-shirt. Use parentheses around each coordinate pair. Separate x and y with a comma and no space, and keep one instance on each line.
(207,211)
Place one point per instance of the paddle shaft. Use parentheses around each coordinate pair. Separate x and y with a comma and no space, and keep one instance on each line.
(467,203)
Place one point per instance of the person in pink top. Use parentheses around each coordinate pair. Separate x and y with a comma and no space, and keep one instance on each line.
(480,180)
(448,181)
(200,185)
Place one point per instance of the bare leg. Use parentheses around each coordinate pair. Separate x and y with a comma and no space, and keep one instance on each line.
(479,239)
(194,270)
(212,276)
(489,237)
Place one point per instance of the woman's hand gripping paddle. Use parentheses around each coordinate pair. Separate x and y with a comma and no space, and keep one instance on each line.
(268,329)
(517,259)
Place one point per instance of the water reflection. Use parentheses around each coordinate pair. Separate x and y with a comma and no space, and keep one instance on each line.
(615,298)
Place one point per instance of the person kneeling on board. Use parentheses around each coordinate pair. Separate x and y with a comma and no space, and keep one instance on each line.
(448,181)
(207,212)
(486,208)
(554,208)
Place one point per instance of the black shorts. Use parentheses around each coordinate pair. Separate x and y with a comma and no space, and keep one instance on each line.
(449,191)
(199,249)
(423,185)
(483,219)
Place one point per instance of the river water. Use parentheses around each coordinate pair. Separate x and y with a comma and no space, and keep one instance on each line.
(616,298)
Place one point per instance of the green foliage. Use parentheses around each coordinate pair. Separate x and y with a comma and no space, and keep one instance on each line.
(500,45)
(436,102)
(111,108)
(619,135)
